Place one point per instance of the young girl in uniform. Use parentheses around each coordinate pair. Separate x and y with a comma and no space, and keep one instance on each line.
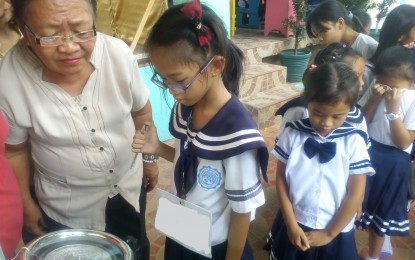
(321,171)
(219,153)
(390,113)
(296,109)
(330,22)
(397,29)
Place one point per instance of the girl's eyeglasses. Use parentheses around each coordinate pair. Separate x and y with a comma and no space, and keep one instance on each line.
(156,79)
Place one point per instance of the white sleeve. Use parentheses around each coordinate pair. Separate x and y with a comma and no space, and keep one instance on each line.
(139,90)
(243,182)
(283,146)
(409,118)
(359,156)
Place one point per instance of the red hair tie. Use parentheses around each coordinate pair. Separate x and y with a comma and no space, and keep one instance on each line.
(312,67)
(193,10)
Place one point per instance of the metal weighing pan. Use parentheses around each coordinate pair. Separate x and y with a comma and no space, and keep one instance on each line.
(76,244)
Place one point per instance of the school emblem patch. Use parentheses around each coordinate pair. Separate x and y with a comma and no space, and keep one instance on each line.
(209,178)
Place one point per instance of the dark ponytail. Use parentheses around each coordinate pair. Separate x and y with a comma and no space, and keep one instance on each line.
(233,68)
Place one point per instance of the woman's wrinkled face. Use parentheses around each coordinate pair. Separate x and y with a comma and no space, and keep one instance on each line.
(60,18)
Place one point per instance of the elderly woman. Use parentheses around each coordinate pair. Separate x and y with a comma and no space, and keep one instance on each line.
(77,98)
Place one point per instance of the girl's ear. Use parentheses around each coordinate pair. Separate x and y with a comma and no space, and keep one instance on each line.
(340,23)
(402,39)
(218,64)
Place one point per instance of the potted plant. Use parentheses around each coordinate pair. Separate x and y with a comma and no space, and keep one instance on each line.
(296,60)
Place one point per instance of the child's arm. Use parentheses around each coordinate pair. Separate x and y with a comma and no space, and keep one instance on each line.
(238,232)
(351,203)
(150,144)
(370,107)
(295,233)
(400,136)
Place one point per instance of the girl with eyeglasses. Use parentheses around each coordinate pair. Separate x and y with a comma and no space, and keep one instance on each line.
(219,154)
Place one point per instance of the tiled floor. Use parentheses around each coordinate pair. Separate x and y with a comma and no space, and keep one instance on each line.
(404,247)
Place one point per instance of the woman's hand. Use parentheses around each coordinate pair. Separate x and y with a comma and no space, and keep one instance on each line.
(146,140)
(298,238)
(33,220)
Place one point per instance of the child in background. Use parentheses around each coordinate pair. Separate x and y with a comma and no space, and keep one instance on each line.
(9,33)
(397,29)
(330,22)
(390,113)
(364,19)
(296,109)
(11,209)
(195,61)
(321,171)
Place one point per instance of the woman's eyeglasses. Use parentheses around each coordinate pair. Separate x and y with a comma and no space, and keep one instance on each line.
(52,41)
(156,79)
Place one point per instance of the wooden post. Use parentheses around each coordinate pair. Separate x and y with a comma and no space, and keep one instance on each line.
(233,18)
(141,25)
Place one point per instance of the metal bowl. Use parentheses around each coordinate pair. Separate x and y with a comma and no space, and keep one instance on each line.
(77,244)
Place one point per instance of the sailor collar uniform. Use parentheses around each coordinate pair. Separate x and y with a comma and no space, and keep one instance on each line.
(230,132)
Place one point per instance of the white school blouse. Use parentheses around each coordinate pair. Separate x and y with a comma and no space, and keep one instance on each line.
(231,156)
(316,190)
(81,146)
(365,45)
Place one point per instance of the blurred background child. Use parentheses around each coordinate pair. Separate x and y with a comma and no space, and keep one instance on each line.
(390,113)
(331,22)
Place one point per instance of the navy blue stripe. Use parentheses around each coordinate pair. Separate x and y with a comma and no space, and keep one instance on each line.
(355,116)
(395,227)
(281,152)
(361,164)
(243,195)
(346,129)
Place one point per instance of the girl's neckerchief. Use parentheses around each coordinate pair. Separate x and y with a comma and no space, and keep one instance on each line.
(345,129)
(229,133)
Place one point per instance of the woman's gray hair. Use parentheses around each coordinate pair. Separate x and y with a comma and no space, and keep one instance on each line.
(20,6)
